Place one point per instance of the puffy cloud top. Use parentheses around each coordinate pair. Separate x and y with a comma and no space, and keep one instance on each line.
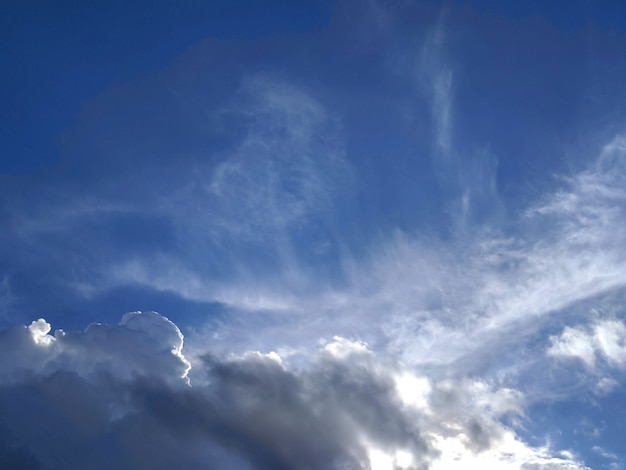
(143,344)
(118,397)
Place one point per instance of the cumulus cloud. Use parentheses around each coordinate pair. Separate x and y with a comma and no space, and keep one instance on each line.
(142,344)
(604,339)
(118,396)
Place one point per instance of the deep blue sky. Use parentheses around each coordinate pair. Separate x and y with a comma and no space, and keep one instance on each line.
(58,55)
(418,207)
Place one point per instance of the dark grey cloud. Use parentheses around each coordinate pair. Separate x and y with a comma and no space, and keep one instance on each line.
(119,396)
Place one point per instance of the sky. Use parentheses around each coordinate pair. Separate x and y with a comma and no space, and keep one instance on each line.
(352,234)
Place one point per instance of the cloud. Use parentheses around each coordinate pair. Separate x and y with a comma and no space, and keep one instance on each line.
(438,79)
(142,344)
(470,319)
(65,394)
(573,343)
(603,338)
(274,187)
(466,175)
(496,283)
(433,337)
(258,200)
(279,175)
(118,396)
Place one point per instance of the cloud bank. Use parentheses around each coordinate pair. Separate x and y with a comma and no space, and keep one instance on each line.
(119,395)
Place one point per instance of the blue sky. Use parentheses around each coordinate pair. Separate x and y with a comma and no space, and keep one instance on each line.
(378,235)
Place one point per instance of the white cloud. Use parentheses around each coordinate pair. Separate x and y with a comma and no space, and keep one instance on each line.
(413,390)
(457,307)
(277,177)
(437,77)
(573,343)
(282,172)
(39,329)
(442,105)
(509,453)
(282,177)
(472,306)
(347,407)
(605,338)
(341,348)
(143,344)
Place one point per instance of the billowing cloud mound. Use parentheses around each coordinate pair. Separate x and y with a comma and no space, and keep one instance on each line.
(143,344)
(119,397)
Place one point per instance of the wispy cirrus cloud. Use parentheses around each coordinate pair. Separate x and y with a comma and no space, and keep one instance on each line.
(361,325)
(209,217)
(437,77)
(251,207)
(280,174)
(421,286)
